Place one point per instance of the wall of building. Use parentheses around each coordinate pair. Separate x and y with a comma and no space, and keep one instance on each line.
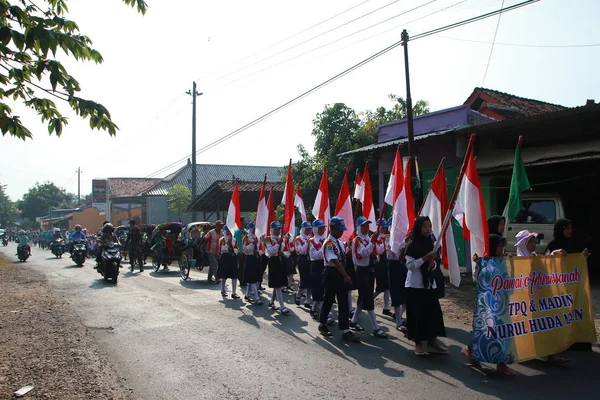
(91,219)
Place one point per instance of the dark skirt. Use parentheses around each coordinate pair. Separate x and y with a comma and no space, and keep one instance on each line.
(398,273)
(228,267)
(277,273)
(351,271)
(365,278)
(241,268)
(304,271)
(290,267)
(424,318)
(252,270)
(316,280)
(382,278)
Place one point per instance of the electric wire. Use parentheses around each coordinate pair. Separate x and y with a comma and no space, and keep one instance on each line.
(341,74)
(492,48)
(550,46)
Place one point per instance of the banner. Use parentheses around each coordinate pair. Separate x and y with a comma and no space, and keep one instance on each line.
(530,307)
(99,195)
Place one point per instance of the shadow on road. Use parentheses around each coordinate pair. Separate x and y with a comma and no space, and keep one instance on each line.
(101,284)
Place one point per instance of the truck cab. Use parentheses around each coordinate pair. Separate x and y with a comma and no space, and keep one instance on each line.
(539,212)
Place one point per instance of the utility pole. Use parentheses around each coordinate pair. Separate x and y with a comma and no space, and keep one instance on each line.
(409,120)
(194,94)
(78,186)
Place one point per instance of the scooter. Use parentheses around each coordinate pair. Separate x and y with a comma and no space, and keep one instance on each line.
(23,253)
(110,262)
(79,252)
(57,248)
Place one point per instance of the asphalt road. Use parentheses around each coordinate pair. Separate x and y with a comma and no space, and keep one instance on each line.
(173,339)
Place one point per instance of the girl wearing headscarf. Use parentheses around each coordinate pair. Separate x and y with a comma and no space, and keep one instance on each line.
(301,247)
(496,225)
(277,272)
(228,267)
(252,267)
(525,243)
(496,245)
(424,318)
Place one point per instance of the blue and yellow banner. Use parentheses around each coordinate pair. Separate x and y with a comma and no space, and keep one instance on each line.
(530,307)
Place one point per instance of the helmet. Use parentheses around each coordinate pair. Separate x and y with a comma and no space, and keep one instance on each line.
(108,225)
(77,227)
(21,232)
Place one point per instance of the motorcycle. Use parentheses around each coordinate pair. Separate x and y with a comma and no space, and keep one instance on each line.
(23,253)
(4,241)
(58,248)
(79,252)
(110,261)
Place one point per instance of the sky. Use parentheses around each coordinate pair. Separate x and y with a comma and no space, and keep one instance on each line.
(249,57)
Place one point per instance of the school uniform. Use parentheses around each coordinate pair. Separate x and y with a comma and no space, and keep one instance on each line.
(252,267)
(277,274)
(397,270)
(364,259)
(317,267)
(228,266)
(334,286)
(381,270)
(301,247)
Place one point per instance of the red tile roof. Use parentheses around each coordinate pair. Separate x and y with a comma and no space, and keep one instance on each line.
(508,106)
(130,187)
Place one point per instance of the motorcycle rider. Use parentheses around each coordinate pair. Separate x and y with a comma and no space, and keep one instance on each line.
(134,244)
(76,235)
(108,235)
(23,241)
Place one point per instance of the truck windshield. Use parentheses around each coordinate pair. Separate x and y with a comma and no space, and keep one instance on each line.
(537,212)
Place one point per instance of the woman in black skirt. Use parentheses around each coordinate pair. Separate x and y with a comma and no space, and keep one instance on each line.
(382,276)
(252,268)
(228,266)
(277,271)
(301,248)
(425,321)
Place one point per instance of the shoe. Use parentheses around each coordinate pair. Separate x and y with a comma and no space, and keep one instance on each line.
(247,298)
(285,311)
(259,302)
(389,313)
(350,337)
(141,269)
(380,334)
(235,296)
(324,330)
(297,301)
(330,321)
(356,327)
(223,293)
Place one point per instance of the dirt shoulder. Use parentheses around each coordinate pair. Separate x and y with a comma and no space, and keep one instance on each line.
(44,344)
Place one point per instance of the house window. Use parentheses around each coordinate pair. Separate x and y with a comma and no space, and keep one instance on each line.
(537,212)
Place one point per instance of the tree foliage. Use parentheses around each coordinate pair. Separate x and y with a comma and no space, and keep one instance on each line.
(30,37)
(43,197)
(7,209)
(338,129)
(179,197)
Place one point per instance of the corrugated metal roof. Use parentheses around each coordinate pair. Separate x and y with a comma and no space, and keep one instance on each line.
(207,174)
(396,142)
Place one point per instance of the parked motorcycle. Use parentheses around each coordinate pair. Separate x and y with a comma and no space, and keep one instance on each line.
(110,261)
(79,252)
(58,248)
(23,253)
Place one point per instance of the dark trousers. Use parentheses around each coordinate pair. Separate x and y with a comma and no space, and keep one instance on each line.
(335,288)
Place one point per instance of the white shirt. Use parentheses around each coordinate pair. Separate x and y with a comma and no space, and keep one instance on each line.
(250,244)
(273,246)
(414,278)
(315,248)
(301,245)
(332,250)
(361,250)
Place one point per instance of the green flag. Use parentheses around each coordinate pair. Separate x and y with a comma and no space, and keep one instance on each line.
(518,184)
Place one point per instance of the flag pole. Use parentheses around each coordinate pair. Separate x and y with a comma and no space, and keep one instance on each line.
(356,201)
(452,202)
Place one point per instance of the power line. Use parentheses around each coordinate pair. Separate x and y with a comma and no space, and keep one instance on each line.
(343,73)
(303,42)
(332,42)
(492,48)
(550,46)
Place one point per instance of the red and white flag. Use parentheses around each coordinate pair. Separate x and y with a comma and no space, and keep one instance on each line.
(343,207)
(299,202)
(233,213)
(396,196)
(410,204)
(358,187)
(470,210)
(289,216)
(368,210)
(435,207)
(271,216)
(321,208)
(262,214)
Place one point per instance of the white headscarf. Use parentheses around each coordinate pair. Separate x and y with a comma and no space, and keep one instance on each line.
(319,238)
(522,250)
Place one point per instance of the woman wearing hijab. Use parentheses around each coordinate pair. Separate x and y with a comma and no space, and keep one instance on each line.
(252,267)
(496,225)
(301,246)
(496,244)
(525,243)
(424,318)
(228,266)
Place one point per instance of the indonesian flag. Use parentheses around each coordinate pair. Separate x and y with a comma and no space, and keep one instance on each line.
(321,208)
(343,207)
(435,207)
(288,202)
(233,213)
(262,214)
(470,210)
(367,196)
(358,187)
(410,205)
(299,202)
(270,211)
(396,196)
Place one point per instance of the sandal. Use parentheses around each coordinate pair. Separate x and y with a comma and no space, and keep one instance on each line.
(505,370)
(467,353)
(419,351)
(380,334)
